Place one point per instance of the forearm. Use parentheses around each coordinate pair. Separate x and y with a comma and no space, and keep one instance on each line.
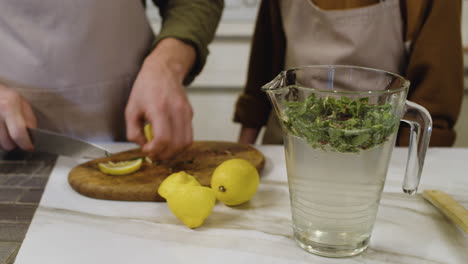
(193,22)
(175,55)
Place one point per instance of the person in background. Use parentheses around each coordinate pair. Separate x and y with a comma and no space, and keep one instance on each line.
(418,39)
(94,70)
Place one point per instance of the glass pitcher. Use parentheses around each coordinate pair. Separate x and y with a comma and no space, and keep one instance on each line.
(339,127)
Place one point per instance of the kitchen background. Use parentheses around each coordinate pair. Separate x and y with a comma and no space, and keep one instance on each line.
(214,92)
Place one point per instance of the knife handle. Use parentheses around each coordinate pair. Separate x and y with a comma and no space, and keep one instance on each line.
(451,208)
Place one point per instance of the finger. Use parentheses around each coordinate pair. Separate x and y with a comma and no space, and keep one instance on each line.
(183,125)
(188,137)
(181,137)
(162,129)
(176,140)
(189,129)
(134,125)
(29,117)
(19,134)
(6,143)
(16,127)
(11,118)
(158,154)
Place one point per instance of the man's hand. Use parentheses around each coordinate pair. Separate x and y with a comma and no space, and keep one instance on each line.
(158,97)
(15,116)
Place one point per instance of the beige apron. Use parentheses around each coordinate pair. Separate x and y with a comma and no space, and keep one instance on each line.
(74,61)
(370,36)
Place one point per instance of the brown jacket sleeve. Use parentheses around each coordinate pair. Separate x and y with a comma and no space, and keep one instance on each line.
(435,66)
(266,61)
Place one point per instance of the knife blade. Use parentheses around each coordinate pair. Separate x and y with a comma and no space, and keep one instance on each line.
(55,143)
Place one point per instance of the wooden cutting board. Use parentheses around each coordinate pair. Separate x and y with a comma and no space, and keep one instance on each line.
(199,160)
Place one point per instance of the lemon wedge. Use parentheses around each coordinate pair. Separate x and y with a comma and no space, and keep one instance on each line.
(121,167)
(148,132)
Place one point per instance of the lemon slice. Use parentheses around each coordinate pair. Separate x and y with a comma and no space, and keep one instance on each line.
(120,168)
(148,132)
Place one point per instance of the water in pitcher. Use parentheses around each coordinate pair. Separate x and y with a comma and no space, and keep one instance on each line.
(339,128)
(334,196)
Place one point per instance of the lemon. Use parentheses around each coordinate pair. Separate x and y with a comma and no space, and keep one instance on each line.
(120,168)
(192,204)
(235,181)
(148,132)
(174,181)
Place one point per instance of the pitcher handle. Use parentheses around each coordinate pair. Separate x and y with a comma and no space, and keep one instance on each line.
(420,122)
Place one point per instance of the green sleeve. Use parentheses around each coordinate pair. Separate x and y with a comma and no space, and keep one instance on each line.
(193,22)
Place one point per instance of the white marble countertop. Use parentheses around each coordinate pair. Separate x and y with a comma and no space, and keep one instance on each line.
(70,228)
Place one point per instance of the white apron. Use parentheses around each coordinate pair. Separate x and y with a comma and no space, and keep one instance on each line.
(370,36)
(74,61)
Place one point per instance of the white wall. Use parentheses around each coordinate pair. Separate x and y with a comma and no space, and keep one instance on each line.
(213,114)
(462,125)
(214,92)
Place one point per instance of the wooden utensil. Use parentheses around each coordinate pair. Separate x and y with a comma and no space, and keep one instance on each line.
(199,160)
(449,207)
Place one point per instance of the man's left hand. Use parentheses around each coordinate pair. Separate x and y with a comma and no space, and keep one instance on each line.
(158,97)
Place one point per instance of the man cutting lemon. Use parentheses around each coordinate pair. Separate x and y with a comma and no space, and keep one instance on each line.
(94,70)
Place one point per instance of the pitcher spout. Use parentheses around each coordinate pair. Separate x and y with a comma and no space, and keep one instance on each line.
(275,90)
(277,83)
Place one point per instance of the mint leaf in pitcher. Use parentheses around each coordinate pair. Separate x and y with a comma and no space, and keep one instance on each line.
(342,125)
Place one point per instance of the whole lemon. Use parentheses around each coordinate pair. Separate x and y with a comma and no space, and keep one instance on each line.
(174,181)
(235,181)
(192,204)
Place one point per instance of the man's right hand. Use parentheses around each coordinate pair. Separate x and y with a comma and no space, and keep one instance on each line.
(15,116)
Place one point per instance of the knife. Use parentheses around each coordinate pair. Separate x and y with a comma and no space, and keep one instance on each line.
(51,142)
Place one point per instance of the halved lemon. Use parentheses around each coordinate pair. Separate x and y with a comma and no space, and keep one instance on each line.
(121,167)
